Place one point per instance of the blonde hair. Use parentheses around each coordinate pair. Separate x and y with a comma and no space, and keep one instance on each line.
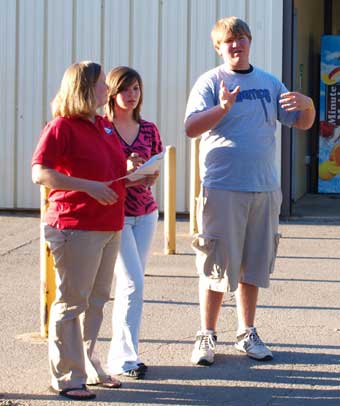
(226,26)
(76,95)
(117,80)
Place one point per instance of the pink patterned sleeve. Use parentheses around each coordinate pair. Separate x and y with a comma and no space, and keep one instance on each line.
(157,146)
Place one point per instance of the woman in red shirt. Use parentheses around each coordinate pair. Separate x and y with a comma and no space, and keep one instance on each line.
(78,157)
(139,137)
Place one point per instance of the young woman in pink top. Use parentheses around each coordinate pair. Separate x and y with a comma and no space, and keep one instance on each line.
(141,137)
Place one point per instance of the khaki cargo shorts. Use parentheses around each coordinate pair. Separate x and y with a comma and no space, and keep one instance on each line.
(237,237)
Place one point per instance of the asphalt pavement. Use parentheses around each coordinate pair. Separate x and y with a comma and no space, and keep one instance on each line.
(298,317)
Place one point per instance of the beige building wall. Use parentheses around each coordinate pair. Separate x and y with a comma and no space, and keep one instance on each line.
(167,41)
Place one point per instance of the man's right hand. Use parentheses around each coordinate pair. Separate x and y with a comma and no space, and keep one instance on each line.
(200,122)
(227,99)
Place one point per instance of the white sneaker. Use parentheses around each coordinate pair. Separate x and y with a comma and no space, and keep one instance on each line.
(253,346)
(204,349)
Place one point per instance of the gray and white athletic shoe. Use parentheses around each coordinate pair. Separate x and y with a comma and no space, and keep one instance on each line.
(204,349)
(251,344)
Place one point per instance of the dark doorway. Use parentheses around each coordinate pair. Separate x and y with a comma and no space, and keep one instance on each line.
(304,23)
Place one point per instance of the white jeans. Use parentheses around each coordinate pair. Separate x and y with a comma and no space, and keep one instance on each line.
(134,248)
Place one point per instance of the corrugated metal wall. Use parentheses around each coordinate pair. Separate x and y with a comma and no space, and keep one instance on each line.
(167,41)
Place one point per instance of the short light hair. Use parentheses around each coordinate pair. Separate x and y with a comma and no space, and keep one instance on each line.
(117,80)
(76,95)
(226,26)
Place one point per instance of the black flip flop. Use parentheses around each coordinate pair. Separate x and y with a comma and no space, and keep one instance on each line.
(66,393)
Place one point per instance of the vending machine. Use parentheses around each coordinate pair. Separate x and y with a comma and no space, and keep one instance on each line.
(329,131)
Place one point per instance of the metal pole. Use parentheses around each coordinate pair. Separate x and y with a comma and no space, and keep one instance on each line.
(195,183)
(47,274)
(170,200)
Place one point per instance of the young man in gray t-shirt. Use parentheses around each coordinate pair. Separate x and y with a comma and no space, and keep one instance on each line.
(234,107)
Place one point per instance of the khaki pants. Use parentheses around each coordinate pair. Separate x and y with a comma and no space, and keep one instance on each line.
(84,263)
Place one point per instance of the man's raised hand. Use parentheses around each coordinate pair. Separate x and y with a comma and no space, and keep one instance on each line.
(227,99)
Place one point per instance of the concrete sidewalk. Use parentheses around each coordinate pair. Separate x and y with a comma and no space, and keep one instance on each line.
(298,317)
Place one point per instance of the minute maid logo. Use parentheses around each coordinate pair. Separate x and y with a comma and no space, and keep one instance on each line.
(108,130)
(332,77)
(330,97)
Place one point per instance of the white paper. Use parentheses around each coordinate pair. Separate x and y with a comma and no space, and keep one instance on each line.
(148,168)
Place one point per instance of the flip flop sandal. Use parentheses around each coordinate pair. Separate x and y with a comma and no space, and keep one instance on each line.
(66,393)
(110,383)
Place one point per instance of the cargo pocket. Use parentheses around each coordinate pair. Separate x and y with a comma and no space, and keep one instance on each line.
(211,259)
(275,248)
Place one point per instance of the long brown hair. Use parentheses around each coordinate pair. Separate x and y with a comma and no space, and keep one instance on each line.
(76,95)
(119,79)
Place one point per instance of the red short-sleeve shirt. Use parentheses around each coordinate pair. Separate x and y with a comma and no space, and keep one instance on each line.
(77,147)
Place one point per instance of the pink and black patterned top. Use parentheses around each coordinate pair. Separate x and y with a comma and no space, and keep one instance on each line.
(139,199)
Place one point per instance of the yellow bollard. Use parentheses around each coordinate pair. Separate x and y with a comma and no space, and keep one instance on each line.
(195,183)
(47,274)
(170,200)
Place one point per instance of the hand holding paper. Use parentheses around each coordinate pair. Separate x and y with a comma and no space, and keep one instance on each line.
(149,167)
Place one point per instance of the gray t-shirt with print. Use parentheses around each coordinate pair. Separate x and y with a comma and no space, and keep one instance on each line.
(239,153)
